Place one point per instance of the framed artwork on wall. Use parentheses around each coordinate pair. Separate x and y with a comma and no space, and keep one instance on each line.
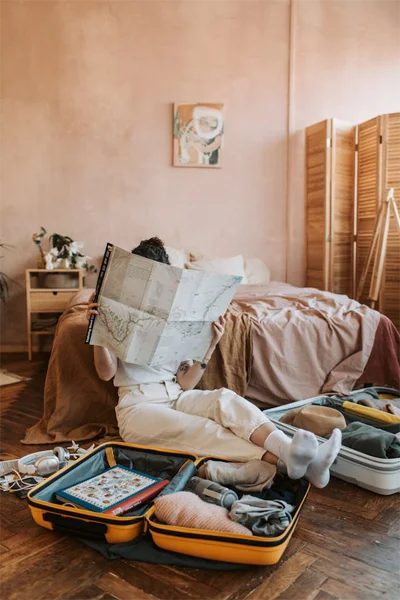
(198,134)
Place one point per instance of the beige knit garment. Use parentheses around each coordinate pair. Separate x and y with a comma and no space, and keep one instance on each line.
(251,476)
(185,509)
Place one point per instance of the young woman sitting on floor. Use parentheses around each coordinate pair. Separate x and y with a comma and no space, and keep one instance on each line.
(160,407)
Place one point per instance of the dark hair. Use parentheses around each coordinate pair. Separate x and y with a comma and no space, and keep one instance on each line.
(153,249)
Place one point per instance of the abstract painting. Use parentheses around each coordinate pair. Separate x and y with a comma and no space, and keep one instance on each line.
(198,134)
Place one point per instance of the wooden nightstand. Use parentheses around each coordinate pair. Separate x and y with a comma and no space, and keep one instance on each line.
(41,299)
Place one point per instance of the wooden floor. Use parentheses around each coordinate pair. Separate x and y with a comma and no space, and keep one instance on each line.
(347,544)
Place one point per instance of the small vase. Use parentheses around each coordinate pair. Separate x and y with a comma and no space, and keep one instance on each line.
(40,263)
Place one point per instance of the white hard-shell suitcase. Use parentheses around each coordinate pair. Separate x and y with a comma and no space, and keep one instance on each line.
(379,475)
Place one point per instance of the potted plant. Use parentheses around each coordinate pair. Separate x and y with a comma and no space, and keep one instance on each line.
(4,279)
(64,253)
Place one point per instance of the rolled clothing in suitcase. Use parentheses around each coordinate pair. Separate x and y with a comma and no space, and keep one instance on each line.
(376,473)
(369,406)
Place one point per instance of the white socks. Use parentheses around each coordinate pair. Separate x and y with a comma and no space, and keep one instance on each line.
(303,456)
(318,470)
(297,453)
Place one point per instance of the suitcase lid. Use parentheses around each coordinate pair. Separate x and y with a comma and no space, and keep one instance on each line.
(37,497)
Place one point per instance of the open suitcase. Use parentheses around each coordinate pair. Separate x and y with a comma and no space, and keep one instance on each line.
(179,468)
(379,475)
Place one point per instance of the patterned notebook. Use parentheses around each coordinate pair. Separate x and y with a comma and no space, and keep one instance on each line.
(108,490)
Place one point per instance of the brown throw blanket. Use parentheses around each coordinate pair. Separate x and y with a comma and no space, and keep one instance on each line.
(79,406)
(230,365)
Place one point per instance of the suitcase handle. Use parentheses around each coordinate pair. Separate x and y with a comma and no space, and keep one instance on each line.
(76,527)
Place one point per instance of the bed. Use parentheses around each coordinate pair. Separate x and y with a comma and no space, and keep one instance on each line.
(281,344)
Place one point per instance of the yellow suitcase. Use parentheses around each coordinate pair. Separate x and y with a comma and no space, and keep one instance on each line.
(171,464)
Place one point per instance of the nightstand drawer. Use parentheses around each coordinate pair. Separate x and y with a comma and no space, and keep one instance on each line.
(50,301)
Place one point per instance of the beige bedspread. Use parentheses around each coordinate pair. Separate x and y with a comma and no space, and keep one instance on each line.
(305,341)
(282,343)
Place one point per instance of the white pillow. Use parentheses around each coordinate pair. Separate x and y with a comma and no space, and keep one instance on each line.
(256,271)
(177,258)
(233,265)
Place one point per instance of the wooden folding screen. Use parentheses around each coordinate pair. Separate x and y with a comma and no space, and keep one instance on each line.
(330,160)
(317,205)
(338,155)
(390,301)
(369,185)
(378,171)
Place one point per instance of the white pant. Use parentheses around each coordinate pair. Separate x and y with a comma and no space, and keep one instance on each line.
(216,423)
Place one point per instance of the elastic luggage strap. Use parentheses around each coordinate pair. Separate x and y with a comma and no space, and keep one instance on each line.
(110,457)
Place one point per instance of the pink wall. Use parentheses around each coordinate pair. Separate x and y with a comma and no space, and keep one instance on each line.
(87,89)
(346,65)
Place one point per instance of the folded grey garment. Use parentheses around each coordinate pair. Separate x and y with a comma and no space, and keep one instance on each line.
(371,440)
(251,476)
(262,517)
(368,397)
(380,404)
(334,402)
(366,394)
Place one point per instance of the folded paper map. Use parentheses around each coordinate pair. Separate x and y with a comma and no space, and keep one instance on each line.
(152,313)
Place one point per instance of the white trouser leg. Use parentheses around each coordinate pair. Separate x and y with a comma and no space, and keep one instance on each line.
(188,424)
(224,407)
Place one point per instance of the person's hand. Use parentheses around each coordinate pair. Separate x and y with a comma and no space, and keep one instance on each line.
(219,330)
(92,307)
